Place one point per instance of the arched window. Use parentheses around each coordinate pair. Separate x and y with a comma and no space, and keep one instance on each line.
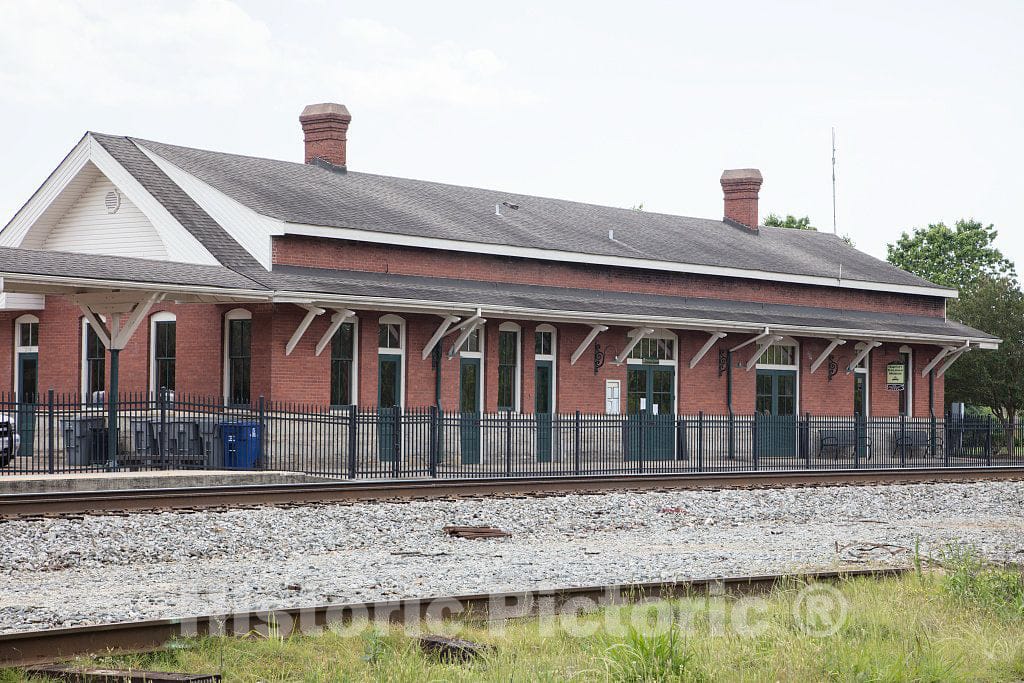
(238,357)
(163,328)
(545,353)
(509,362)
(344,369)
(94,364)
(390,361)
(26,358)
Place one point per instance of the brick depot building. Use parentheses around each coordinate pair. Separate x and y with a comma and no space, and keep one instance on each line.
(230,276)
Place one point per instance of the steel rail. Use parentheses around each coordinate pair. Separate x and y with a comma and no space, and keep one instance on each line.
(28,648)
(199,497)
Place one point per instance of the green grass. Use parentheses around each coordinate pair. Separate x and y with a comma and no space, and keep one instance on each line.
(963,623)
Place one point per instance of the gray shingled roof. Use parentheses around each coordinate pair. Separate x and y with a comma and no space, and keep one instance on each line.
(119,268)
(184,209)
(473,293)
(309,194)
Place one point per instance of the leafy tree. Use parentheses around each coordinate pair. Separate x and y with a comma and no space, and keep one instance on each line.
(994,379)
(790,221)
(952,257)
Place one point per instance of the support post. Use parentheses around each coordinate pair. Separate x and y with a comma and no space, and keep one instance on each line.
(115,361)
(903,440)
(49,431)
(508,443)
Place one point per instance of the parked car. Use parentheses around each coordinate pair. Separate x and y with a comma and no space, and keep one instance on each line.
(9,439)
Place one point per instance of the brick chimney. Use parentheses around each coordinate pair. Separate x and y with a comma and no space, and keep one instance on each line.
(325,129)
(740,187)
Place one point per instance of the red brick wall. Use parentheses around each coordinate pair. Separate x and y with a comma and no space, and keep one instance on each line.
(339,254)
(304,377)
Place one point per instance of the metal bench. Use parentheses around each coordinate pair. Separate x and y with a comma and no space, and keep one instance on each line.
(912,440)
(835,442)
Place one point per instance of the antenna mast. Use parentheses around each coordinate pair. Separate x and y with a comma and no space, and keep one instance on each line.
(834,228)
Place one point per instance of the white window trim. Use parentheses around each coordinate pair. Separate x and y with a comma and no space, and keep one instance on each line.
(865,369)
(517,385)
(19,349)
(84,349)
(797,363)
(233,314)
(160,317)
(909,388)
(392,319)
(553,357)
(354,378)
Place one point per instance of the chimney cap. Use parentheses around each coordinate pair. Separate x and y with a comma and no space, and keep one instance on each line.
(742,175)
(325,110)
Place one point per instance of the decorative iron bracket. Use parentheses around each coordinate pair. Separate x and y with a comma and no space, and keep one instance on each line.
(723,362)
(599,357)
(833,367)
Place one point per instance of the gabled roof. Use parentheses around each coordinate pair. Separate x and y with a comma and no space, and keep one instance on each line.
(306,195)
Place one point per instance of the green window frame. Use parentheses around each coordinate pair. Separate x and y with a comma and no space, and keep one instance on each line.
(239,361)
(95,363)
(164,354)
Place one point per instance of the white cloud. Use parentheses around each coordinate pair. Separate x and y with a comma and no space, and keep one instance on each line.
(122,52)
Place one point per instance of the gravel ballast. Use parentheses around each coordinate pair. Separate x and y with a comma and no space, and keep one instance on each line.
(69,572)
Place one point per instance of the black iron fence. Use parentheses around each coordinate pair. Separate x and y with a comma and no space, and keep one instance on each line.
(165,432)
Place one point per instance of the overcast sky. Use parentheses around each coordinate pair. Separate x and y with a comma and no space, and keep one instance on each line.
(606,102)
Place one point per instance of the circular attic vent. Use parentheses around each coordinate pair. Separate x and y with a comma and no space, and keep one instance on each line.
(112,201)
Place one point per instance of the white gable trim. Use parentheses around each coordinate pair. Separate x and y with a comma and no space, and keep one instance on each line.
(598,259)
(247,227)
(180,244)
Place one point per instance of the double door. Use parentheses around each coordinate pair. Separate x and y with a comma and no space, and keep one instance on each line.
(650,409)
(776,413)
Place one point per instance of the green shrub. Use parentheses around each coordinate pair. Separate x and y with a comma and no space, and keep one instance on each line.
(649,658)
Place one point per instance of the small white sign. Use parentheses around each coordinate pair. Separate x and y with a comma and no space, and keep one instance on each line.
(643,404)
(654,408)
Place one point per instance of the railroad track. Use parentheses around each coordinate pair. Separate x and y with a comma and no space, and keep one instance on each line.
(70,503)
(223,497)
(29,648)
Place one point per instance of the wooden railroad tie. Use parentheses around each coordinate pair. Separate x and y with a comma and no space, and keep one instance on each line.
(476,532)
(78,675)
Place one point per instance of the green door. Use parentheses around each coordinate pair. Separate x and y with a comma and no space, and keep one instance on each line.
(28,396)
(776,412)
(650,406)
(860,409)
(543,406)
(469,410)
(389,393)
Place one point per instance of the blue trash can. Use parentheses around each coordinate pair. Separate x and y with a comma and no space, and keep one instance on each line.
(242,442)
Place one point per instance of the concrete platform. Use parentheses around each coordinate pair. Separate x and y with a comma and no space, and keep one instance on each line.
(105,481)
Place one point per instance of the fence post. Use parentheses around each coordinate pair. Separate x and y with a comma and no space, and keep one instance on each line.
(700,441)
(352,443)
(508,443)
(753,434)
(49,430)
(161,397)
(577,450)
(397,438)
(932,436)
(805,439)
(432,434)
(947,436)
(988,441)
(903,440)
(262,414)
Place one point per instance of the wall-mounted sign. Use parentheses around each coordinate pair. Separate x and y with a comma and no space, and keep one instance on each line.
(895,376)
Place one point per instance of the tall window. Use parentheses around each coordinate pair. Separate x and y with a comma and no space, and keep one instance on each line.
(28,333)
(508,367)
(238,357)
(390,361)
(164,351)
(342,354)
(95,364)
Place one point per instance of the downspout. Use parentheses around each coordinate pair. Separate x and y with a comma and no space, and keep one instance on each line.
(436,353)
(728,403)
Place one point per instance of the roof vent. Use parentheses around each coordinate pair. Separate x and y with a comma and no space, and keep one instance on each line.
(511,206)
(112,201)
